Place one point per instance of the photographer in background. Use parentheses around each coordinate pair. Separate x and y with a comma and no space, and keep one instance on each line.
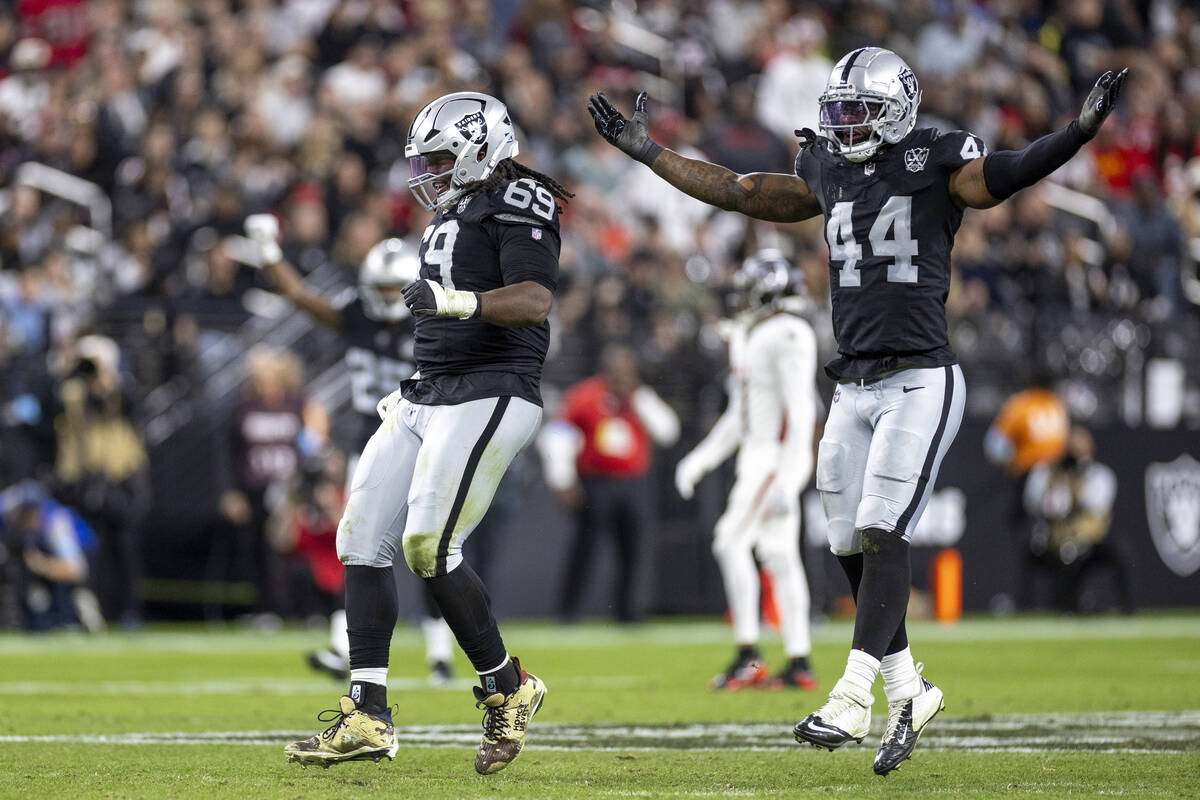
(102,470)
(1071,502)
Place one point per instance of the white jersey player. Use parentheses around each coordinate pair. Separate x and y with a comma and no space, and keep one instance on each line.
(769,422)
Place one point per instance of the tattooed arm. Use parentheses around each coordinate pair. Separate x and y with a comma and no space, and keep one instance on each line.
(772,196)
(763,195)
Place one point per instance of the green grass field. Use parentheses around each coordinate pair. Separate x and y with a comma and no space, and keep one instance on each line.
(1036,707)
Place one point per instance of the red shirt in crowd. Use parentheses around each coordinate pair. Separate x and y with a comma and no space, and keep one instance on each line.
(615,443)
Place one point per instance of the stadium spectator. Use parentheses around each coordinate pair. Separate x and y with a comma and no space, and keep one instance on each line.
(43,561)
(614,422)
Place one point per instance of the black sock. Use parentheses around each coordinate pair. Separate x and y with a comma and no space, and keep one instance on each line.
(370,697)
(883,594)
(799,663)
(504,680)
(748,652)
(852,565)
(371,612)
(465,606)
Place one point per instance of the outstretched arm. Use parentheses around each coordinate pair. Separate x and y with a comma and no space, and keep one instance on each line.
(986,181)
(519,305)
(774,197)
(263,230)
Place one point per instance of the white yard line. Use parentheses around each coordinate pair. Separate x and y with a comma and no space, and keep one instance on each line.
(1118,732)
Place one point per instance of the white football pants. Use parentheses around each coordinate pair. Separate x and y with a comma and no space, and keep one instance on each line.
(743,531)
(883,445)
(426,478)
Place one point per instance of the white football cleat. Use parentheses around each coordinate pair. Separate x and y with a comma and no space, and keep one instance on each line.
(846,715)
(906,720)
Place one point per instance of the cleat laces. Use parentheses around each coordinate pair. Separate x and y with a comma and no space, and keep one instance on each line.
(495,725)
(338,719)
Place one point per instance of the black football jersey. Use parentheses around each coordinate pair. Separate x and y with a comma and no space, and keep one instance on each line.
(379,356)
(489,239)
(890,225)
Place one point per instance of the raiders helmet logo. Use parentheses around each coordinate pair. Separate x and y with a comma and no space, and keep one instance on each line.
(914,159)
(1173,511)
(909,81)
(473,127)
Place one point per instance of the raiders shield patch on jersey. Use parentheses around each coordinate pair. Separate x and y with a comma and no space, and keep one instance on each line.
(473,127)
(914,159)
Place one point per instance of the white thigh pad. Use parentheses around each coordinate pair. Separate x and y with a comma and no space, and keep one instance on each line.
(896,454)
(833,466)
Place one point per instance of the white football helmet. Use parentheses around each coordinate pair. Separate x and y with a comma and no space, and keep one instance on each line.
(475,128)
(763,278)
(870,100)
(391,264)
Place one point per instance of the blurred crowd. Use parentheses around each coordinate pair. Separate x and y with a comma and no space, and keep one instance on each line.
(136,136)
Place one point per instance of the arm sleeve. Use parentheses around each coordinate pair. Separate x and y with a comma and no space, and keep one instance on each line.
(1009,171)
(796,363)
(659,419)
(725,436)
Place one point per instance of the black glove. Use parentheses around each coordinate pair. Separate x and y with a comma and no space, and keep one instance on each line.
(630,136)
(806,136)
(1101,101)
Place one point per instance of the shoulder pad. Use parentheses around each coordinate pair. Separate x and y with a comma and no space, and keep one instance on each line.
(522,201)
(955,148)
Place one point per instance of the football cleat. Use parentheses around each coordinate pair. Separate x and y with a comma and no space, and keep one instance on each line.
(744,673)
(505,720)
(846,715)
(440,673)
(353,735)
(906,720)
(793,677)
(330,663)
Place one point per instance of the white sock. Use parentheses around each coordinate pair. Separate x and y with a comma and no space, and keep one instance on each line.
(370,675)
(498,667)
(900,678)
(438,639)
(861,669)
(339,640)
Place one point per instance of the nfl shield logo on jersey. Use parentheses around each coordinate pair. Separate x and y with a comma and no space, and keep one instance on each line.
(536,233)
(869,170)
(914,159)
(1173,511)
(473,127)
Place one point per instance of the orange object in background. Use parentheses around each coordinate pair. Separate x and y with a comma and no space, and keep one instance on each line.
(945,580)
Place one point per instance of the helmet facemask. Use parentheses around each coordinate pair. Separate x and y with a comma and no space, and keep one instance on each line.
(870,101)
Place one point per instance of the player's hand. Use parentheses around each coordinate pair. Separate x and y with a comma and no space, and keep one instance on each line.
(1101,101)
(426,298)
(263,230)
(688,472)
(630,136)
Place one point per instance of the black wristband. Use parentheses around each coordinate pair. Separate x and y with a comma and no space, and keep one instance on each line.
(649,152)
(1008,171)
(478,306)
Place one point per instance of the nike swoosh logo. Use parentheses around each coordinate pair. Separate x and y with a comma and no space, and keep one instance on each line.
(908,389)
(819,727)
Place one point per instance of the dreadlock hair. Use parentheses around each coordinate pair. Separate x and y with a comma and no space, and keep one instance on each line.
(509,170)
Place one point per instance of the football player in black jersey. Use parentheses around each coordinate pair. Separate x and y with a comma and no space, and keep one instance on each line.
(378,331)
(489,267)
(892,196)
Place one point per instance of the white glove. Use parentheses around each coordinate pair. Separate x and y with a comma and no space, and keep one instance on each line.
(263,230)
(426,298)
(688,473)
(387,403)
